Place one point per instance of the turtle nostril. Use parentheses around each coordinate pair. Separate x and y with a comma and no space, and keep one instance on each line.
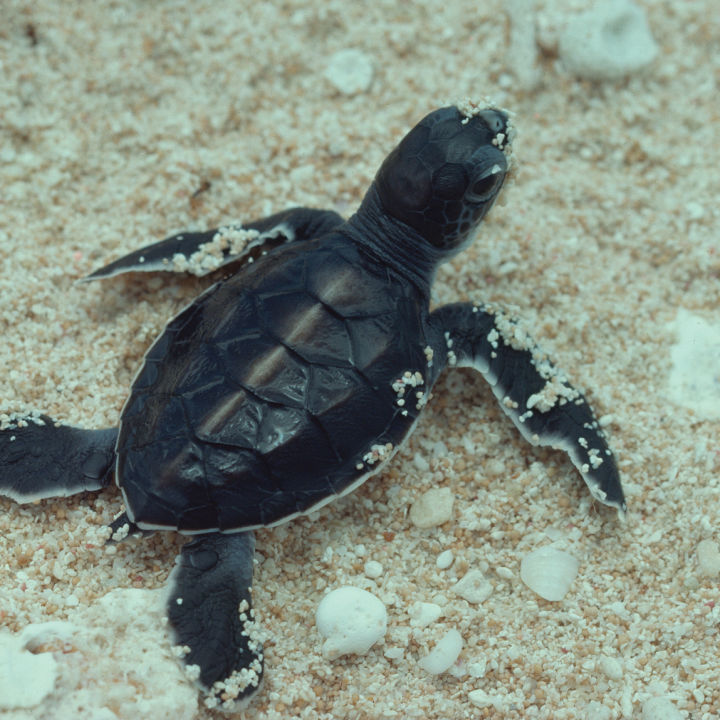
(496,120)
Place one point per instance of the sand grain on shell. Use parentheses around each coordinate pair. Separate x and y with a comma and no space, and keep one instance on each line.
(122,124)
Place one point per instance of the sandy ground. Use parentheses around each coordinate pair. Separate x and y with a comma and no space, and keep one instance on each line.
(121,123)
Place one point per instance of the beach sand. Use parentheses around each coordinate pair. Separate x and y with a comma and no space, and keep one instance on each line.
(123,123)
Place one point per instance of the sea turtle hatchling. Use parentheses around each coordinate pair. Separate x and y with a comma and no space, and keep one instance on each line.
(292,379)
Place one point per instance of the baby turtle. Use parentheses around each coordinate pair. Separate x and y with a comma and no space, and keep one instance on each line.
(291,380)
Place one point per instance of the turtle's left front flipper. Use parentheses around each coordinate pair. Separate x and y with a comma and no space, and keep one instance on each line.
(541,402)
(210,609)
(41,459)
(200,253)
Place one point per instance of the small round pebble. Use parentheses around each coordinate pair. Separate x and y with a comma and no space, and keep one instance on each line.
(444,654)
(473,587)
(660,708)
(444,560)
(350,71)
(352,620)
(708,556)
(373,569)
(432,508)
(549,572)
(608,41)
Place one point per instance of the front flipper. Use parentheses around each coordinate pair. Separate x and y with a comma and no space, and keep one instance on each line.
(210,609)
(201,253)
(40,459)
(541,402)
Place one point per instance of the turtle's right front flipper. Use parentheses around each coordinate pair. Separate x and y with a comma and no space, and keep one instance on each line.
(41,459)
(534,393)
(201,253)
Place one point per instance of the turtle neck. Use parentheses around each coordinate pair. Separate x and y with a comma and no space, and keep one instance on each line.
(393,243)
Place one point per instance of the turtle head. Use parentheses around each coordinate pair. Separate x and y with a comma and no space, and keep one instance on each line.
(446,173)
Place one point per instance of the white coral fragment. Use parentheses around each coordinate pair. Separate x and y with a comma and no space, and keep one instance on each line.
(549,572)
(26,678)
(352,620)
(442,657)
(610,40)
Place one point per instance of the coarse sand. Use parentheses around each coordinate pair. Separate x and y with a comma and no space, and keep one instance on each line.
(124,122)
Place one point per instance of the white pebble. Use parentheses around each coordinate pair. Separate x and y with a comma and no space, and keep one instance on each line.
(394,653)
(708,555)
(444,559)
(444,654)
(373,569)
(505,573)
(478,669)
(352,620)
(610,667)
(423,614)
(549,572)
(432,508)
(421,463)
(473,587)
(480,698)
(693,380)
(610,40)
(660,708)
(350,71)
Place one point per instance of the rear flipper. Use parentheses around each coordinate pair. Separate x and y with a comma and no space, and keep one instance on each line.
(201,253)
(210,609)
(541,402)
(40,459)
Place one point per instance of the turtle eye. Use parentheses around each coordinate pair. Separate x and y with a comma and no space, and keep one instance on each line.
(484,187)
